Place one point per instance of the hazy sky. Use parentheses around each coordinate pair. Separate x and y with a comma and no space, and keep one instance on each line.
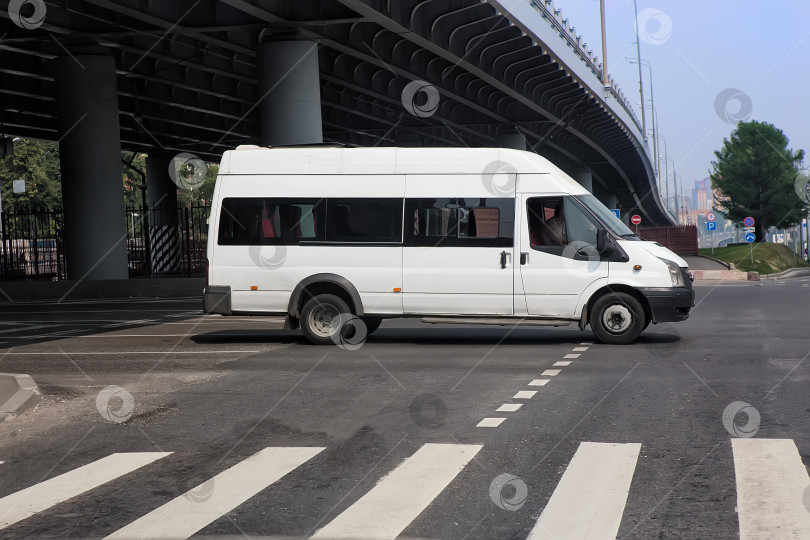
(697,51)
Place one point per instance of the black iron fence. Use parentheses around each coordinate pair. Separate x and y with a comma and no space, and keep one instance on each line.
(167,243)
(32,246)
(160,243)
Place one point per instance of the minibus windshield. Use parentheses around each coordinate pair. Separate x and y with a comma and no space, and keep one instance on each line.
(605,216)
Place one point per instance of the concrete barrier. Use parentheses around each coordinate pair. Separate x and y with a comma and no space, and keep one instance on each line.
(726,275)
(18,393)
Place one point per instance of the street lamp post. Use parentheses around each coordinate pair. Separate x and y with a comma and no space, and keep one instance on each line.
(666,166)
(677,198)
(640,81)
(605,82)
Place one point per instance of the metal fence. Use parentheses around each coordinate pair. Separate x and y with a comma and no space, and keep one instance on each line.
(159,243)
(32,246)
(167,243)
(681,239)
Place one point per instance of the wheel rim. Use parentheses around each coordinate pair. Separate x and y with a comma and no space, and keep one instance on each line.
(320,320)
(617,319)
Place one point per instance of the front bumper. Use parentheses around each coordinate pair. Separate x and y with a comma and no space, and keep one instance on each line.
(669,304)
(217,300)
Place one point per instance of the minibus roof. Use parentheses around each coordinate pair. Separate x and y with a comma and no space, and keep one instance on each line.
(289,160)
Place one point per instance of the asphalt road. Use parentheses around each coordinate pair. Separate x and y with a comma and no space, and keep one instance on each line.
(241,429)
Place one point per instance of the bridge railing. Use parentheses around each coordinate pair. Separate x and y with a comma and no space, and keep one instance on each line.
(567,32)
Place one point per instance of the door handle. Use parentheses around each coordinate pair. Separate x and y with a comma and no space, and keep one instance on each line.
(503,259)
(524,257)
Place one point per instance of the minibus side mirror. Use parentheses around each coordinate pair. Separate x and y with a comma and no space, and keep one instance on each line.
(602,243)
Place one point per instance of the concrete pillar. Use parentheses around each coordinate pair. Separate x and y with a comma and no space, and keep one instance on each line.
(610,200)
(290,93)
(90,155)
(584,178)
(161,196)
(510,140)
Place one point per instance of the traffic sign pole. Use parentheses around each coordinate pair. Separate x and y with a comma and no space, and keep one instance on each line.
(750,234)
(636,220)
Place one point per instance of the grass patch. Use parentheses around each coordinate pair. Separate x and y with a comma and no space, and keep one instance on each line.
(768,258)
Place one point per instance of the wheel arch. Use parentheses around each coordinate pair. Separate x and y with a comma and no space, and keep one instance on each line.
(325,283)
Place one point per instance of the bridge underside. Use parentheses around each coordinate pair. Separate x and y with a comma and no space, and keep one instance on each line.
(186,80)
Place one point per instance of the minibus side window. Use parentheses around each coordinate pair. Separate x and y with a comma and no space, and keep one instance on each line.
(556,222)
(579,225)
(469,222)
(364,220)
(262,221)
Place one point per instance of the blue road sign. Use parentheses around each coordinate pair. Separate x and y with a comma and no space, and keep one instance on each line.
(748,222)
(711,225)
(616,211)
(750,237)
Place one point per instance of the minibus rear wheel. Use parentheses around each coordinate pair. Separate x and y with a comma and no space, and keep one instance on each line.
(617,318)
(318,316)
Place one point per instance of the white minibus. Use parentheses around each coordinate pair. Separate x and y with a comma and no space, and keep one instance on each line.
(323,234)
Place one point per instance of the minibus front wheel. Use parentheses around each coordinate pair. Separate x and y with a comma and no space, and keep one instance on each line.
(617,318)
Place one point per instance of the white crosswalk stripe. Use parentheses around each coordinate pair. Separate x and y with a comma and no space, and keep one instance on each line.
(187,514)
(588,502)
(590,497)
(39,497)
(771,483)
(400,497)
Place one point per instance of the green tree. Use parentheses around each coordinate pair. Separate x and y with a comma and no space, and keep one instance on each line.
(133,181)
(755,173)
(202,195)
(37,163)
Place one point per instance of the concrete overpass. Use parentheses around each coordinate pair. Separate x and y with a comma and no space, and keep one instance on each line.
(202,76)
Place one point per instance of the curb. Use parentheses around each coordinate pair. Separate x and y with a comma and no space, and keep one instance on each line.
(789,273)
(18,393)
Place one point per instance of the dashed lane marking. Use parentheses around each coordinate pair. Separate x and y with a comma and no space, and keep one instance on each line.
(386,510)
(539,382)
(523,394)
(191,512)
(572,356)
(490,422)
(580,349)
(590,498)
(509,407)
(562,363)
(39,497)
(551,373)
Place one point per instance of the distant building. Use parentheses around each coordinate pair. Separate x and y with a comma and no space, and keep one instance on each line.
(702,196)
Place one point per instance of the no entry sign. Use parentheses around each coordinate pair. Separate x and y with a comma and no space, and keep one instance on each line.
(636,219)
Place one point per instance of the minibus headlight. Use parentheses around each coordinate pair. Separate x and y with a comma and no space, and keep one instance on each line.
(675,273)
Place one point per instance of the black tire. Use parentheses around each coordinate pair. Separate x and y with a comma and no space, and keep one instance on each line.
(617,318)
(317,315)
(372,323)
